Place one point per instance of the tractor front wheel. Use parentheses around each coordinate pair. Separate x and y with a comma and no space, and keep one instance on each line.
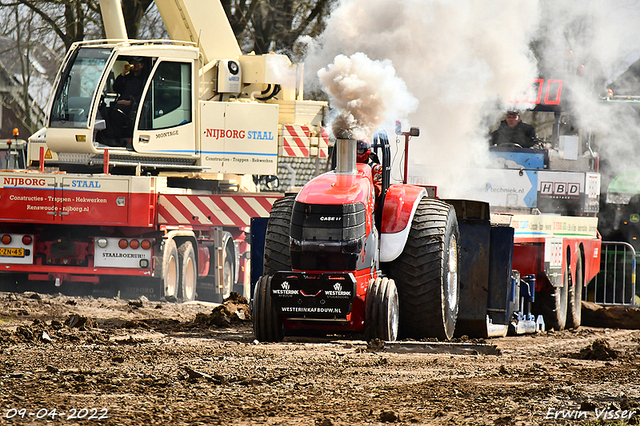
(381,310)
(267,325)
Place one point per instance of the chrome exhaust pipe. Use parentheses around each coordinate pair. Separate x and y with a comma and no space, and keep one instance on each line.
(346,156)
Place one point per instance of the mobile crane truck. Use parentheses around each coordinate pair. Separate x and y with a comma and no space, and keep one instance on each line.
(157,200)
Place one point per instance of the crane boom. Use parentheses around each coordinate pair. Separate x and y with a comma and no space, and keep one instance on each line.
(211,31)
(113,20)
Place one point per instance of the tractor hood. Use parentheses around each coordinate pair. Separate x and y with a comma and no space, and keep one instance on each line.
(333,188)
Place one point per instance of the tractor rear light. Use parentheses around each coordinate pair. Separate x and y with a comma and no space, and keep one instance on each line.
(27,240)
(102,242)
(144,263)
(123,243)
(134,244)
(6,239)
(145,244)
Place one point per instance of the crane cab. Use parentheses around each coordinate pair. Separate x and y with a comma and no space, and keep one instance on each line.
(88,115)
(178,118)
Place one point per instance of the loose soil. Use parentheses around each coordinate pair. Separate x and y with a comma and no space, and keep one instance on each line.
(78,360)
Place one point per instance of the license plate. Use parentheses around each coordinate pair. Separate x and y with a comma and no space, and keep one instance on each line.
(11,252)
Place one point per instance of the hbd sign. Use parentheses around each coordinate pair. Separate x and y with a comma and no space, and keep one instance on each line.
(571,189)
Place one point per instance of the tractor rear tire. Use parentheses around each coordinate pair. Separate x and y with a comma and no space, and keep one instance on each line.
(277,255)
(267,325)
(381,310)
(574,315)
(426,273)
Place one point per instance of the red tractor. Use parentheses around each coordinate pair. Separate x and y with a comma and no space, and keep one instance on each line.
(354,253)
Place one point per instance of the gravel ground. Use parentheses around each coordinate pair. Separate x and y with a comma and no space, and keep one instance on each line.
(72,360)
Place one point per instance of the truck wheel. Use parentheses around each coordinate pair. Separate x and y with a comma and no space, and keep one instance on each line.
(277,256)
(381,310)
(227,276)
(188,272)
(170,271)
(426,273)
(574,315)
(267,326)
(553,305)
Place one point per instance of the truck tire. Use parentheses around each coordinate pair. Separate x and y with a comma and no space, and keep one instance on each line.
(227,275)
(188,272)
(277,256)
(170,272)
(267,326)
(381,310)
(552,305)
(426,273)
(574,314)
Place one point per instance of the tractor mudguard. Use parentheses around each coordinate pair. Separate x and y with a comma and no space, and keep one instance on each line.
(400,204)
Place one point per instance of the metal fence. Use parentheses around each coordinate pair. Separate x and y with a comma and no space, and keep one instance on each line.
(615,284)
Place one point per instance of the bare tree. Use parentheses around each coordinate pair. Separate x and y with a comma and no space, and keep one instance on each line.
(276,25)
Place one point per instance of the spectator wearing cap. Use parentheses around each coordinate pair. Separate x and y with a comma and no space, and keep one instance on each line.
(513,131)
(130,82)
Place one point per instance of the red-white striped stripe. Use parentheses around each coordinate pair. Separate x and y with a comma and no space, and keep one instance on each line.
(213,210)
(323,144)
(295,140)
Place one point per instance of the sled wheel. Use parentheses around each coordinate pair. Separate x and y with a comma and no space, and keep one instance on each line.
(188,272)
(170,271)
(574,315)
(277,256)
(267,326)
(426,273)
(553,304)
(382,310)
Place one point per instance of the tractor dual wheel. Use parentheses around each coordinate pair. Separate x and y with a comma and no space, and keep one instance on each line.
(267,325)
(426,273)
(381,310)
(277,256)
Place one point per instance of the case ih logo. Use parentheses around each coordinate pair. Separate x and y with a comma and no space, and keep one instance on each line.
(571,189)
(12,181)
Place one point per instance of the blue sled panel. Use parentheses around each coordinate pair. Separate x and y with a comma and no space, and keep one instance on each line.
(258,236)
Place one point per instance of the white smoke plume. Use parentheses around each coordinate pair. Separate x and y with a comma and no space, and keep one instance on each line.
(457,58)
(604,40)
(462,59)
(364,92)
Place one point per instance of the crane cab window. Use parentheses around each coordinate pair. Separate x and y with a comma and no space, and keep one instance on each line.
(168,100)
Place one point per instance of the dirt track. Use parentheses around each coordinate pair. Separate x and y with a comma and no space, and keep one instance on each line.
(134,363)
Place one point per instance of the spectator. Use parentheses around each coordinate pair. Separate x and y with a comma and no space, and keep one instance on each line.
(129,85)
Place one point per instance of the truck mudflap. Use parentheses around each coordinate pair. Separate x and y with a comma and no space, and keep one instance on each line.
(324,295)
